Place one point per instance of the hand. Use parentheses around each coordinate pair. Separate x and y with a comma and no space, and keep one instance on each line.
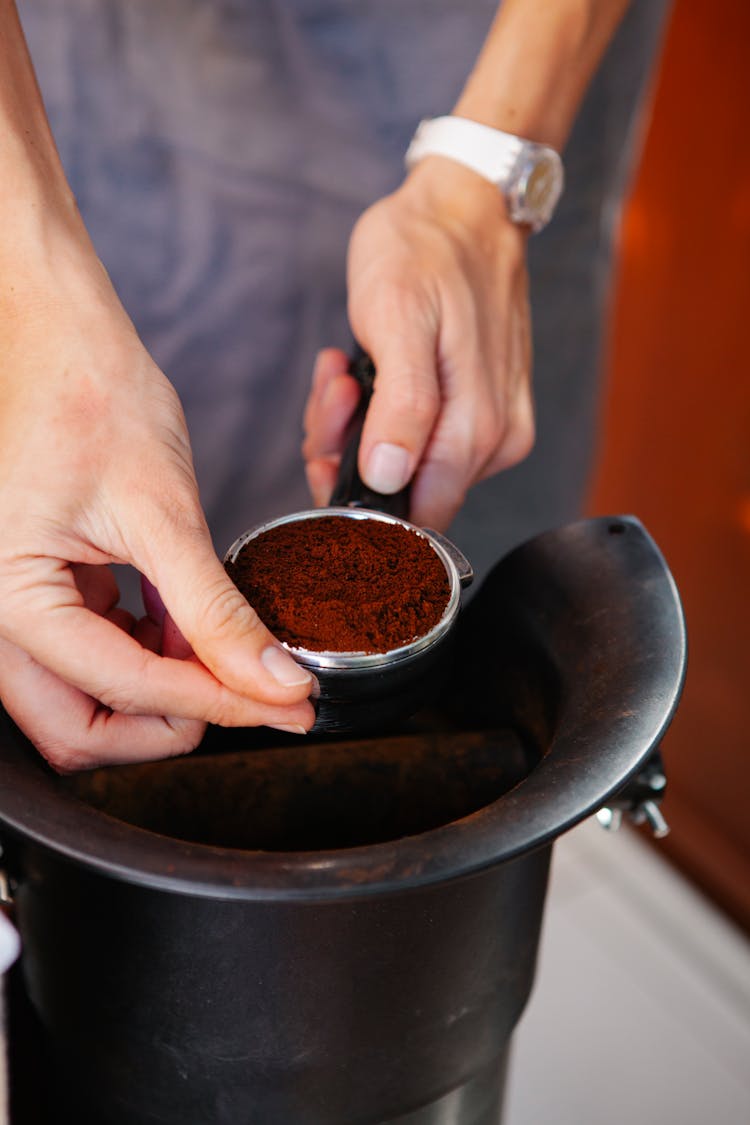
(438,297)
(95,468)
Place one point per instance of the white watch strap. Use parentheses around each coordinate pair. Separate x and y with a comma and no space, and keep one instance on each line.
(530,175)
(490,152)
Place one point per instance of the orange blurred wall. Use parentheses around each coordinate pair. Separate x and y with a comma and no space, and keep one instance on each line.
(676,429)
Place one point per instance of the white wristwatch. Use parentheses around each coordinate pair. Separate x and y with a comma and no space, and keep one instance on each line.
(529,175)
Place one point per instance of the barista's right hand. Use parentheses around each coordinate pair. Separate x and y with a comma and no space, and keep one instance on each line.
(95,468)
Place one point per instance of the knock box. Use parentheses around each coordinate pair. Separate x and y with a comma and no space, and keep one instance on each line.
(342,931)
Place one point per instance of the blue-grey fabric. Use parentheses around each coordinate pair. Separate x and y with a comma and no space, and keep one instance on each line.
(221,150)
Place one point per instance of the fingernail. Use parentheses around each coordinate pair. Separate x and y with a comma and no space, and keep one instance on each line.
(283,668)
(290,728)
(388,467)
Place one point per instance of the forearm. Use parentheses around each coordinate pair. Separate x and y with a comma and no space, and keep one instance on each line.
(34,192)
(536,63)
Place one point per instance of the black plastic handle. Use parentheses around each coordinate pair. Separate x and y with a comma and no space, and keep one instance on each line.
(350,490)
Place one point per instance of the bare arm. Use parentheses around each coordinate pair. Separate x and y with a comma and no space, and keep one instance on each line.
(437,282)
(32,176)
(536,64)
(95,468)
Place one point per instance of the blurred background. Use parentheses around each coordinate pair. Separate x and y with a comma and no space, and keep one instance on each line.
(642,1005)
(675,442)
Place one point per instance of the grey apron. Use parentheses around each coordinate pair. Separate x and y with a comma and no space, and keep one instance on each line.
(221,150)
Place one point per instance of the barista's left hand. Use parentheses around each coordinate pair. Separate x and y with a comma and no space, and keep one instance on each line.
(438,297)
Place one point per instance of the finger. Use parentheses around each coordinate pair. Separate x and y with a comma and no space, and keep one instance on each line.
(437,494)
(73,731)
(152,602)
(329,363)
(122,618)
(222,629)
(326,426)
(326,435)
(321,479)
(102,661)
(97,585)
(519,430)
(466,429)
(100,594)
(519,435)
(468,448)
(406,400)
(172,641)
(147,634)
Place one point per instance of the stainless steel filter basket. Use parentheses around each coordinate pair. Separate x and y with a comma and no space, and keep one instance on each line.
(361,690)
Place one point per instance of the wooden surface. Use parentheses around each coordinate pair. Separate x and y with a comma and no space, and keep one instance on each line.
(676,430)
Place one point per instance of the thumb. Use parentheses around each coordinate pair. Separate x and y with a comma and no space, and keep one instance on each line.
(405,403)
(222,629)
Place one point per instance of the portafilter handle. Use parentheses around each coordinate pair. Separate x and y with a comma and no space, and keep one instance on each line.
(350,490)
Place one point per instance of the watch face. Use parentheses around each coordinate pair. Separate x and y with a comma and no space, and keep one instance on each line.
(540,190)
(539,186)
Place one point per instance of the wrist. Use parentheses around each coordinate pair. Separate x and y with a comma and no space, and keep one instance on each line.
(45,247)
(457,197)
(529,176)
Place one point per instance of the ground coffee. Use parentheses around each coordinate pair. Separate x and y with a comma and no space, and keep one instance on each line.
(338,584)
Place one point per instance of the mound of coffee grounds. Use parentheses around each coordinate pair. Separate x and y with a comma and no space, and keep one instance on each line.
(337,584)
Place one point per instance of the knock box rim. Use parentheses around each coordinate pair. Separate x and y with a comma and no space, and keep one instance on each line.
(562,790)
